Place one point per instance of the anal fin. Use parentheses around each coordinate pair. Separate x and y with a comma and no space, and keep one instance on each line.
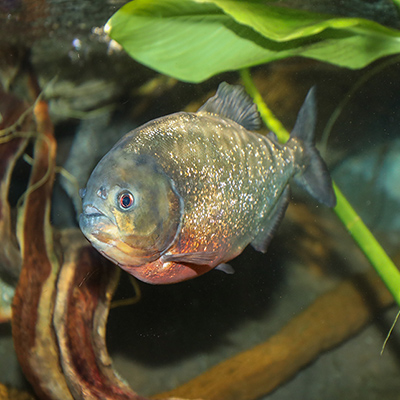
(271,223)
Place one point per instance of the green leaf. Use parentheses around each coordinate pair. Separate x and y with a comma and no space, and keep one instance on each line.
(193,40)
(280,23)
(186,40)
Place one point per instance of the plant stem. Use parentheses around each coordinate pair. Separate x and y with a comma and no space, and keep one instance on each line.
(383,265)
(377,256)
(267,116)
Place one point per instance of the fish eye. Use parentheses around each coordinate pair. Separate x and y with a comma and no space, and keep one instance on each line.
(126,200)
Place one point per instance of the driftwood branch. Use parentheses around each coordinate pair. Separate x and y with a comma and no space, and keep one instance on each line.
(331,319)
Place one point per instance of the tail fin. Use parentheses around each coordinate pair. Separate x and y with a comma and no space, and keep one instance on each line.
(315,178)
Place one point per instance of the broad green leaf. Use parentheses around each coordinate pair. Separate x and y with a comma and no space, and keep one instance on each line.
(279,23)
(283,24)
(186,40)
(193,40)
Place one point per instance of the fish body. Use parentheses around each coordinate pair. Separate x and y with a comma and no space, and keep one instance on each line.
(188,192)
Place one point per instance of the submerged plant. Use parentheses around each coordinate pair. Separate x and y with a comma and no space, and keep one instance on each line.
(192,40)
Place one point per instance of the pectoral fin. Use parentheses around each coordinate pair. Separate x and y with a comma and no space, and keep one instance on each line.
(271,223)
(198,258)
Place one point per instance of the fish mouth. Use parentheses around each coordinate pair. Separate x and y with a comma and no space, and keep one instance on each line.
(90,211)
(93,219)
(104,235)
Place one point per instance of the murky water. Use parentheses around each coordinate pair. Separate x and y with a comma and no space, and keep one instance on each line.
(175,333)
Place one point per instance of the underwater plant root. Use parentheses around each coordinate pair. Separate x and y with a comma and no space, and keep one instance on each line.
(333,318)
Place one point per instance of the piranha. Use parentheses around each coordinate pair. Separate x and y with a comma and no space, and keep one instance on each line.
(187,192)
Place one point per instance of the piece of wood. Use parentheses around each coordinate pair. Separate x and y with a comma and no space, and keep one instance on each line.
(331,319)
(85,286)
(33,335)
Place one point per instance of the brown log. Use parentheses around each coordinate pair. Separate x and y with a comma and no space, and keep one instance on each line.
(85,287)
(33,335)
(331,319)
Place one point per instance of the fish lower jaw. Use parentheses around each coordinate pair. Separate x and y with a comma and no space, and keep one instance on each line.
(91,221)
(119,252)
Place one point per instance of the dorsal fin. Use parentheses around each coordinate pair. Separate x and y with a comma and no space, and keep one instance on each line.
(232,101)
